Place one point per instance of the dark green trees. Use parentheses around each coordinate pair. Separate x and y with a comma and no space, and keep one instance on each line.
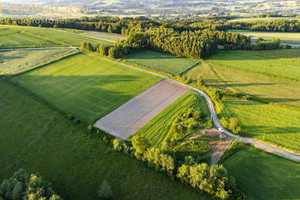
(26,186)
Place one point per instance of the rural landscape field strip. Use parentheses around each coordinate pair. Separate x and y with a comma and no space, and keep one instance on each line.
(279,125)
(18,61)
(40,139)
(264,176)
(260,64)
(24,36)
(158,129)
(271,89)
(162,62)
(214,115)
(85,86)
(134,114)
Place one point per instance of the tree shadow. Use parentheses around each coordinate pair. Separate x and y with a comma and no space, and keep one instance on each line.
(86,97)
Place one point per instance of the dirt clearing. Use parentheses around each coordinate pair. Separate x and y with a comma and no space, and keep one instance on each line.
(134,114)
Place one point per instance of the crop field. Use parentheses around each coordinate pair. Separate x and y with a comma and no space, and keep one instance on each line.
(86,86)
(158,129)
(23,36)
(162,62)
(281,126)
(134,114)
(15,62)
(265,176)
(272,89)
(247,61)
(104,35)
(42,140)
(288,38)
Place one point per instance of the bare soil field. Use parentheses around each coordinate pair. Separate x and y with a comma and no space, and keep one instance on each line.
(134,114)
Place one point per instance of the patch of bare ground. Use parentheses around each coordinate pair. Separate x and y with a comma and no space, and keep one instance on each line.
(134,114)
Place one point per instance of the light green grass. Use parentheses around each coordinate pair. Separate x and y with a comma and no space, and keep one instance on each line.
(162,62)
(289,54)
(270,66)
(23,36)
(41,140)
(86,86)
(289,38)
(268,88)
(15,62)
(264,176)
(158,129)
(281,126)
(104,35)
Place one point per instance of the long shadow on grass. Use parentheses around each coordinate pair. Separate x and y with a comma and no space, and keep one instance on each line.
(86,97)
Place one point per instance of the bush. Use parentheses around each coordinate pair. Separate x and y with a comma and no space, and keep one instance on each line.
(235,125)
(117,144)
(90,128)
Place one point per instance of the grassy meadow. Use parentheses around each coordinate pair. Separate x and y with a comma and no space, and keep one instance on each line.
(268,88)
(86,86)
(104,35)
(24,36)
(285,54)
(255,63)
(15,62)
(281,126)
(40,139)
(286,38)
(264,176)
(162,62)
(158,129)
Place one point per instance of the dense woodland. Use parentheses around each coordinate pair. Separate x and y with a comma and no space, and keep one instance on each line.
(194,38)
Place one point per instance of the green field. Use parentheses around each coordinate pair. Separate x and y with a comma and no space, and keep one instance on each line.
(288,38)
(104,35)
(86,86)
(259,85)
(162,62)
(289,54)
(265,176)
(15,62)
(24,36)
(247,61)
(41,140)
(281,126)
(158,129)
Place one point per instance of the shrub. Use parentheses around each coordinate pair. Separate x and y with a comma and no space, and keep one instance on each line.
(117,144)
(90,128)
(235,125)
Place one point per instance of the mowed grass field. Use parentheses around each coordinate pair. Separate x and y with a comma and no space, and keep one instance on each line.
(288,54)
(40,139)
(281,126)
(265,176)
(161,62)
(104,35)
(86,86)
(24,36)
(255,63)
(268,88)
(158,129)
(288,38)
(18,61)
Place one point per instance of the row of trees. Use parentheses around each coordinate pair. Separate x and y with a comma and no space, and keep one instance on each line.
(214,180)
(26,186)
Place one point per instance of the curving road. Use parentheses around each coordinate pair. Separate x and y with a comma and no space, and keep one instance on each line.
(266,147)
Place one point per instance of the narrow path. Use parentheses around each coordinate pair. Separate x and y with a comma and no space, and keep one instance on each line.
(216,121)
(258,144)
